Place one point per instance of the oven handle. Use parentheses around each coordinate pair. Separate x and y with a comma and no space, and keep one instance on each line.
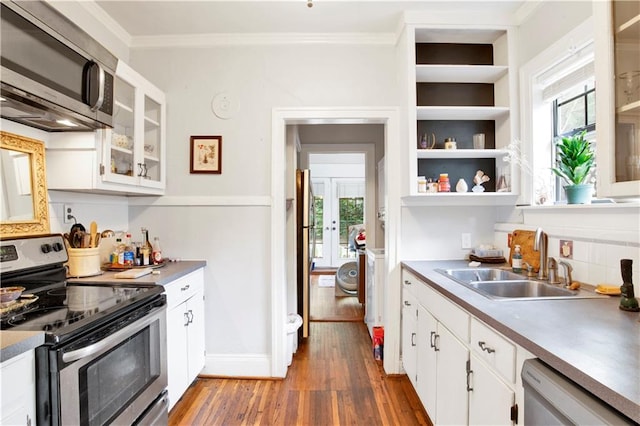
(108,341)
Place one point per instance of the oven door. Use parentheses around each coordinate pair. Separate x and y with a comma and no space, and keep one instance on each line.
(114,379)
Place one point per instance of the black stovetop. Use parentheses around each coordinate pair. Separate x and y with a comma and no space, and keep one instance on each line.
(62,310)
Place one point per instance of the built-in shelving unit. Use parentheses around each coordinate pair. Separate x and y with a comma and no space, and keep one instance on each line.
(462,87)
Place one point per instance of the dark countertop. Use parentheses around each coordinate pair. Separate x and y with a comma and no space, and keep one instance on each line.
(590,341)
(171,271)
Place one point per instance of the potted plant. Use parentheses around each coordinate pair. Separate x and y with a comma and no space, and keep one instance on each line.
(575,158)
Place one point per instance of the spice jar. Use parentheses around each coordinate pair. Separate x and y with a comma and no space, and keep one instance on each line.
(422,184)
(443,183)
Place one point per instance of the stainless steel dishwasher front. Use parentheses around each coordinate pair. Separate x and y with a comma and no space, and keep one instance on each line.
(552,399)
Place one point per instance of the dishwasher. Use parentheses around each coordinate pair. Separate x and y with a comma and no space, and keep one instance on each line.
(552,399)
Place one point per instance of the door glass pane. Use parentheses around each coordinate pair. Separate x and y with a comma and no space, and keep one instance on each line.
(351,212)
(319,226)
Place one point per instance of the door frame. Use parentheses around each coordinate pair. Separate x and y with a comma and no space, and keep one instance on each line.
(281,117)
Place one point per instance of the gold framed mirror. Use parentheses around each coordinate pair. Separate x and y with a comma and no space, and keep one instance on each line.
(25,205)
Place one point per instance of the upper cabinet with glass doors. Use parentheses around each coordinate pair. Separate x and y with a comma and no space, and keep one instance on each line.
(618,102)
(134,149)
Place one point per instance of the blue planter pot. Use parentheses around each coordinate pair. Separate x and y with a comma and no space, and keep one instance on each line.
(579,194)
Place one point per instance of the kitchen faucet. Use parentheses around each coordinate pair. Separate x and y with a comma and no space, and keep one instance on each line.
(567,267)
(540,243)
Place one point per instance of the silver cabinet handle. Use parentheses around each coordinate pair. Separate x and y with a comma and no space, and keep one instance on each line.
(413,338)
(186,319)
(485,348)
(432,340)
(469,373)
(407,303)
(185,288)
(407,282)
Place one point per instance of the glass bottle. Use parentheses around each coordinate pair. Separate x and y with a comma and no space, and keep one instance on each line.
(157,252)
(146,249)
(516,261)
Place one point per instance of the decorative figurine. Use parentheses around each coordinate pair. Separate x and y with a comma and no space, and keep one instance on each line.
(479,179)
(628,302)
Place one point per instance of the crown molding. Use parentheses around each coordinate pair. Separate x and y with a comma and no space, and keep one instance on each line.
(209,40)
(111,24)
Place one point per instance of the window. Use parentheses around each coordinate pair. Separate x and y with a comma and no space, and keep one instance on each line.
(574,111)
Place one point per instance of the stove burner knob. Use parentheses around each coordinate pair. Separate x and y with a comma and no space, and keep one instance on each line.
(57,246)
(46,248)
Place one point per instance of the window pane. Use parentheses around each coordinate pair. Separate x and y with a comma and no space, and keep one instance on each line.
(571,116)
(591,108)
(319,210)
(351,213)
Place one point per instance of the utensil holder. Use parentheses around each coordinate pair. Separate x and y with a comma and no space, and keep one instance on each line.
(83,262)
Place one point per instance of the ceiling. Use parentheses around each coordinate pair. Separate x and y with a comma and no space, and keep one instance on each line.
(181,18)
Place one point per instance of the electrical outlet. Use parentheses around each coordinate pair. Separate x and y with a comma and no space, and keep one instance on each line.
(67,213)
(466,241)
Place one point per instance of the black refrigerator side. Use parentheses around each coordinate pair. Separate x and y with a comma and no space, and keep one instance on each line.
(304,246)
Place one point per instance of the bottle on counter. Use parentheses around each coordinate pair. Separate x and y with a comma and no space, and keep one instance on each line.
(117,255)
(157,252)
(129,251)
(146,250)
(516,260)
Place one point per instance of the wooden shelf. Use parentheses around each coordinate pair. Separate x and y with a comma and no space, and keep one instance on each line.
(629,30)
(632,109)
(460,113)
(459,73)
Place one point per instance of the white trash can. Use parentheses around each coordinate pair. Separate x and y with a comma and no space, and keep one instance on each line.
(294,321)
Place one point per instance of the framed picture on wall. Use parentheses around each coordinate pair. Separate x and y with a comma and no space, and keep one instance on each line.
(206,154)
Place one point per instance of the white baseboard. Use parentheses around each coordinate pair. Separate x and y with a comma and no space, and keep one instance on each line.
(237,365)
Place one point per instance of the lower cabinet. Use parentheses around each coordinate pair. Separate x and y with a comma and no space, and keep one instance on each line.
(185,332)
(462,370)
(18,376)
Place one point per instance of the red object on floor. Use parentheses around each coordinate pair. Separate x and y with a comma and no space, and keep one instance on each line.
(378,343)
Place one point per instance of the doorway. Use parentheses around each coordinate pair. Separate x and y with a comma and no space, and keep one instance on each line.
(338,181)
(284,162)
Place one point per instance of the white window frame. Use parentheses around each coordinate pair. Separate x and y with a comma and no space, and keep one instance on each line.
(535,115)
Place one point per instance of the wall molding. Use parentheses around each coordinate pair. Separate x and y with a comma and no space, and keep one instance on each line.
(237,365)
(202,201)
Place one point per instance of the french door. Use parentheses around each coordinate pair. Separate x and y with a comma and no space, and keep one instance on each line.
(339,206)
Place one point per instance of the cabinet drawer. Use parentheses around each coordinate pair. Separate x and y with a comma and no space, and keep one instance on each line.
(449,314)
(183,288)
(498,352)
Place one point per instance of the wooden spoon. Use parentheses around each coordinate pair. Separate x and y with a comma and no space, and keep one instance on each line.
(93,231)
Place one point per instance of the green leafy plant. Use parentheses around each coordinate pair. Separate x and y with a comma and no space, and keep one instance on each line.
(575,158)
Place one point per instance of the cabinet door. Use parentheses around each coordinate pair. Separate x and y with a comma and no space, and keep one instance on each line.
(451,379)
(491,399)
(177,353)
(195,312)
(409,335)
(18,390)
(133,151)
(427,353)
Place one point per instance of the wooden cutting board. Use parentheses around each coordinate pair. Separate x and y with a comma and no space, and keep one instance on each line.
(525,239)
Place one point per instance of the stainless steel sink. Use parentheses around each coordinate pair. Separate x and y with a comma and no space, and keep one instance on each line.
(521,289)
(481,274)
(500,284)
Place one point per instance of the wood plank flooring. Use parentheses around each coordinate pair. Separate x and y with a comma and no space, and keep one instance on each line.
(325,306)
(332,381)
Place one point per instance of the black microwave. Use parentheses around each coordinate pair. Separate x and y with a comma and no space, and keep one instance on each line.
(54,76)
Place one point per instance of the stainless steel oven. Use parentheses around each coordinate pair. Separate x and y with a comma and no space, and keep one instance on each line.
(104,358)
(111,375)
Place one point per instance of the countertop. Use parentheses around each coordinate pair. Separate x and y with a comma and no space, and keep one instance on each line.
(590,341)
(16,342)
(171,271)
(13,343)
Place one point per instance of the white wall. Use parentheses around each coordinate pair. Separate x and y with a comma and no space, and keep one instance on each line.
(235,240)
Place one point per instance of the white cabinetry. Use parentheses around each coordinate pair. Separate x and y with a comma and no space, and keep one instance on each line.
(18,398)
(618,104)
(463,371)
(460,84)
(185,332)
(409,333)
(130,158)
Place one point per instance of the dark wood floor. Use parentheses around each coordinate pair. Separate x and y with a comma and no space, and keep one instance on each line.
(333,380)
(325,306)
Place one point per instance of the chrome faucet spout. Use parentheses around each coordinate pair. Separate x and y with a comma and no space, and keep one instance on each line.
(540,243)
(568,269)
